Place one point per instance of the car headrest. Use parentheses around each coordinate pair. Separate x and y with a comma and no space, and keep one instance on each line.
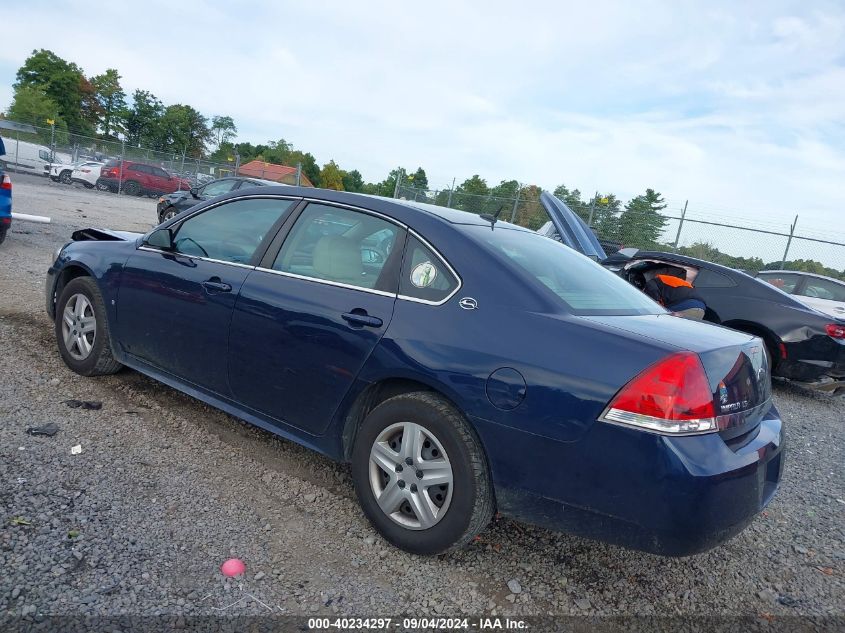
(338,258)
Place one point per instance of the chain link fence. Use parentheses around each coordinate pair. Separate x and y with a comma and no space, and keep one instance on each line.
(34,152)
(741,243)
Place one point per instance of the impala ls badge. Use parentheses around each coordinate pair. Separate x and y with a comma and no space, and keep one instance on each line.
(468,303)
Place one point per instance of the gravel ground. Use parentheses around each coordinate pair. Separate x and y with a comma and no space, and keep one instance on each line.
(166,488)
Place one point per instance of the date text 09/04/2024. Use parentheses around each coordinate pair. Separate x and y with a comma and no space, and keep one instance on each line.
(489,623)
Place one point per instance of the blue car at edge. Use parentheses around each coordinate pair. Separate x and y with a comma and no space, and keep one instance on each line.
(5,199)
(462,365)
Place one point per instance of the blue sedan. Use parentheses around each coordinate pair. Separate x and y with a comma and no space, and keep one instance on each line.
(461,364)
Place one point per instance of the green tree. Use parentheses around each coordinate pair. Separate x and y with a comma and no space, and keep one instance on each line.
(606,209)
(418,179)
(223,129)
(388,185)
(507,189)
(353,181)
(111,99)
(62,81)
(331,176)
(32,105)
(641,223)
(473,195)
(143,121)
(185,130)
(573,200)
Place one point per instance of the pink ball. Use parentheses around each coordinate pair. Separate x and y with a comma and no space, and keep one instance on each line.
(233,567)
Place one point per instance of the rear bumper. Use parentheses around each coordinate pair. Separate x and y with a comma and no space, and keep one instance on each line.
(673,496)
(814,363)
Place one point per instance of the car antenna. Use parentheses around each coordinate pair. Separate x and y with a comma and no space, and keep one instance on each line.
(492,218)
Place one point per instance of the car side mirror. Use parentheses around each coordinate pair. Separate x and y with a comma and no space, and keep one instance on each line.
(195,192)
(161,238)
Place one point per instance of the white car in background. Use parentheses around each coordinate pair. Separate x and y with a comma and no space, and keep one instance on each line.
(821,293)
(87,173)
(60,172)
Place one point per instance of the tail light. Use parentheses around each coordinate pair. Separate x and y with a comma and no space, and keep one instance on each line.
(835,330)
(5,221)
(6,182)
(672,396)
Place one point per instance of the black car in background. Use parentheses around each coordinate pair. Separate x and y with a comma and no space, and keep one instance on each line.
(803,344)
(172,204)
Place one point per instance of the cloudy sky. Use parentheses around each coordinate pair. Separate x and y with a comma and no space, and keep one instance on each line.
(738,107)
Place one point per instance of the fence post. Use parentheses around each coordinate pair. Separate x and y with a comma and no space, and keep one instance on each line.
(399,173)
(120,178)
(789,242)
(182,168)
(516,202)
(592,209)
(680,225)
(451,189)
(17,147)
(298,174)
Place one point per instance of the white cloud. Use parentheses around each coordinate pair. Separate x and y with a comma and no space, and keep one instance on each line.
(737,107)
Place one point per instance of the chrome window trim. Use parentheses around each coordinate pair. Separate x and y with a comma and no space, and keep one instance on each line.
(341,205)
(235,199)
(437,254)
(204,259)
(326,282)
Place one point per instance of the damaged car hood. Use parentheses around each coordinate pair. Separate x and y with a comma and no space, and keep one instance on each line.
(104,235)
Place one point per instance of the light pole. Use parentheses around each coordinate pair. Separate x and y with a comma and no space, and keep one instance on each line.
(52,124)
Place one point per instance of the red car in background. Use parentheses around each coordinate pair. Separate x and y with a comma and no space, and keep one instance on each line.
(136,179)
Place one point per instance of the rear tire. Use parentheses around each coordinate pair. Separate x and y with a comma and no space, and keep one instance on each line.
(82,329)
(420,518)
(132,188)
(3,230)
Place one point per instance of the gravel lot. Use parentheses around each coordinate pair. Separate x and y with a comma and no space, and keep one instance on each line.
(166,488)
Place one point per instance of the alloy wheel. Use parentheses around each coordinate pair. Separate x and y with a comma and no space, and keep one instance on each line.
(411,476)
(79,326)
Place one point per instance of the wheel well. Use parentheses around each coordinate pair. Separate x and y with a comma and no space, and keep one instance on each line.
(65,277)
(369,399)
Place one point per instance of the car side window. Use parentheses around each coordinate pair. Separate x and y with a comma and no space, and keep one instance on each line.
(217,188)
(785,282)
(342,246)
(824,289)
(230,232)
(158,171)
(711,279)
(424,276)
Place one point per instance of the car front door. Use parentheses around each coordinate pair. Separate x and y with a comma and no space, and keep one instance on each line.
(307,319)
(174,307)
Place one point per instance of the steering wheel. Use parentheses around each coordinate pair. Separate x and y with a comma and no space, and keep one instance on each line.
(190,239)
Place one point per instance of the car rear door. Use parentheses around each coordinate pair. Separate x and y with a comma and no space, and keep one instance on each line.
(174,307)
(309,316)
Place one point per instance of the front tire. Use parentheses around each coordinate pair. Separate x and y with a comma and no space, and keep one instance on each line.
(82,329)
(168,214)
(421,475)
(64,177)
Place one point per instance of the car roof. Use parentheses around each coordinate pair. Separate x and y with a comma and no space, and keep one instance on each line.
(445,214)
(802,273)
(692,261)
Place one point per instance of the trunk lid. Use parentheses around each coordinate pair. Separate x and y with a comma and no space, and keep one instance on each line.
(735,364)
(570,228)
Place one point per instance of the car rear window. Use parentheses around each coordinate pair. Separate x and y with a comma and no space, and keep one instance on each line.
(583,286)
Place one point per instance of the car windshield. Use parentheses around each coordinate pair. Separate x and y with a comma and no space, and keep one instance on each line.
(582,285)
